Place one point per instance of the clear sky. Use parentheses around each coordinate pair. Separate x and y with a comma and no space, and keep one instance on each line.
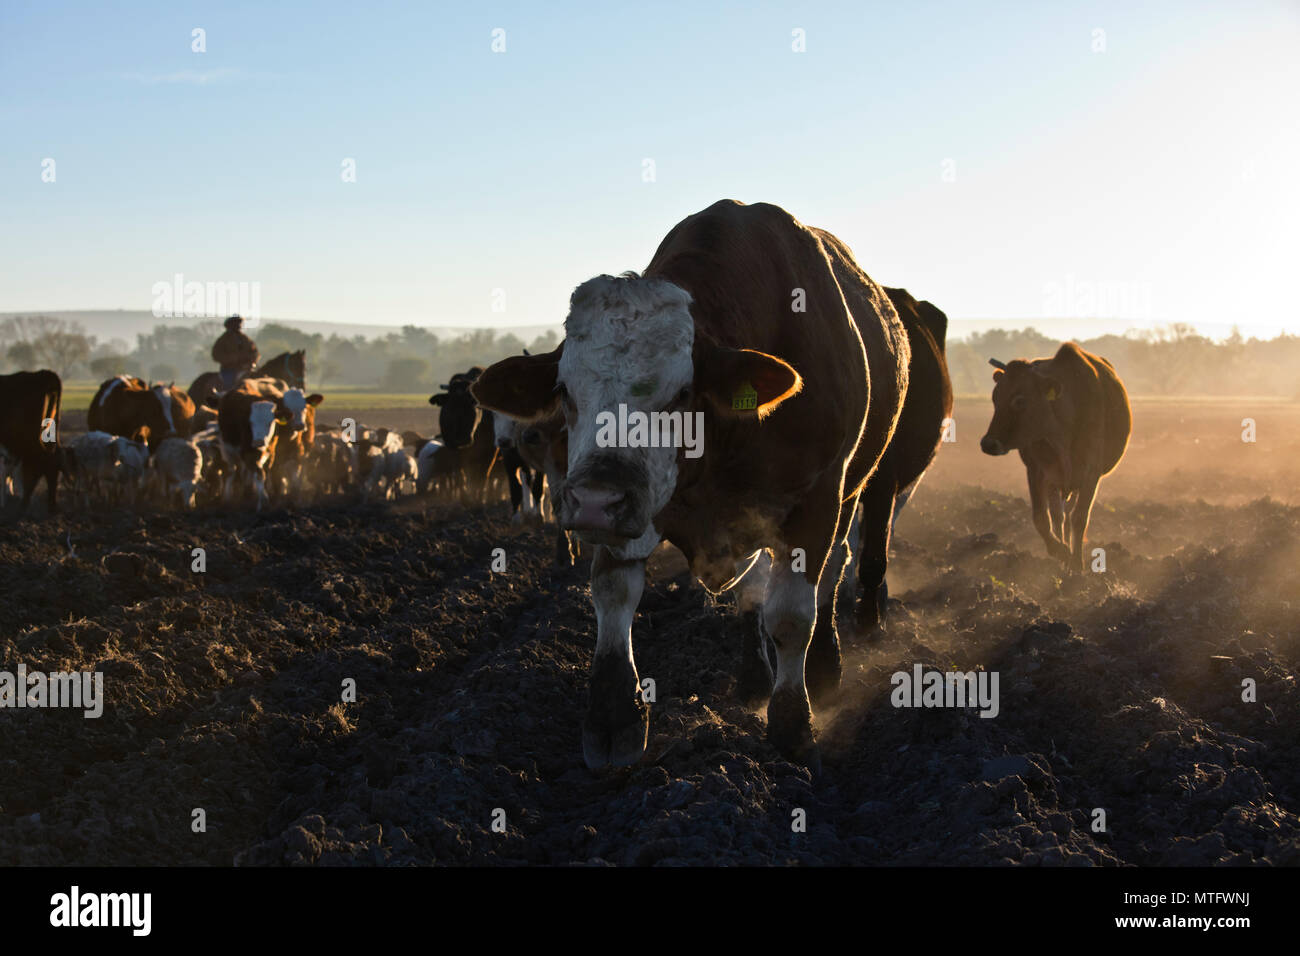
(988,156)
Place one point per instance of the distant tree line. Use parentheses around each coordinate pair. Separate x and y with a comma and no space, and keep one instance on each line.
(1174,360)
(1170,361)
(412,360)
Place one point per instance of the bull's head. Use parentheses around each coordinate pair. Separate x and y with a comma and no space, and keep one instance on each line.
(301,408)
(1025,406)
(505,430)
(459,414)
(262,421)
(630,346)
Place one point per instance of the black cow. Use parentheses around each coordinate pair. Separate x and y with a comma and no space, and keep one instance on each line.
(911,449)
(30,408)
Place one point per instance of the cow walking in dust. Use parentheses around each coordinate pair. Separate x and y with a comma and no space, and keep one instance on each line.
(796,409)
(1069,418)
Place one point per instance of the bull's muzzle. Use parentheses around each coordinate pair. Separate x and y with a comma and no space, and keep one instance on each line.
(605,499)
(591,508)
(991,446)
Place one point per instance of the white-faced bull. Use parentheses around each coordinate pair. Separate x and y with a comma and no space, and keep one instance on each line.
(798,408)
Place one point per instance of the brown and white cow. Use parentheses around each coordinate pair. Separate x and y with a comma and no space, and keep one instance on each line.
(178,408)
(29,429)
(792,363)
(298,444)
(125,405)
(1069,418)
(252,418)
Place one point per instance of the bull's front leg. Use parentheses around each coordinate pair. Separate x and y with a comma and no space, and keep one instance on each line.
(873,554)
(823,667)
(1078,519)
(618,719)
(1038,503)
(754,682)
(789,615)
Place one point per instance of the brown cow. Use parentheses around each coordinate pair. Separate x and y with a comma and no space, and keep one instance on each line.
(178,408)
(1069,417)
(29,429)
(125,405)
(469,435)
(732,400)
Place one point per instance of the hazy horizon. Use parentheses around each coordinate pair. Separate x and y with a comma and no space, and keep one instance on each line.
(126,323)
(1103,164)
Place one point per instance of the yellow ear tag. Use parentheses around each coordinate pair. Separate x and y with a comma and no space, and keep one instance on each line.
(1051,393)
(744,398)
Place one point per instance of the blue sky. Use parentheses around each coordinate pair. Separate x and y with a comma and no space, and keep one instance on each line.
(983,155)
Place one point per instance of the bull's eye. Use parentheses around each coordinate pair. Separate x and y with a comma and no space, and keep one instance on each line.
(570,408)
(1018,402)
(683,396)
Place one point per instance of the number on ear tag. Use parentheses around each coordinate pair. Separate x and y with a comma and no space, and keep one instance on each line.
(744,398)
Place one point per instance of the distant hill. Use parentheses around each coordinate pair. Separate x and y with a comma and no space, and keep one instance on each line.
(127,324)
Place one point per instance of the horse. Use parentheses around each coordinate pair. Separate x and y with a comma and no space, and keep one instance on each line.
(289,366)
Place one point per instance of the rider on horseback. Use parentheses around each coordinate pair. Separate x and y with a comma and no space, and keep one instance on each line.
(235,352)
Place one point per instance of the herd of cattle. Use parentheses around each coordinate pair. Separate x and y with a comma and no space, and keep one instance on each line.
(823,398)
(259,442)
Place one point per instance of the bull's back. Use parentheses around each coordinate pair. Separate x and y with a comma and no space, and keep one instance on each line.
(1103,415)
(1118,415)
(29,400)
(742,265)
(888,355)
(929,389)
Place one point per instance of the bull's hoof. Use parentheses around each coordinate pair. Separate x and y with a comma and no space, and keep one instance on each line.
(609,744)
(867,614)
(618,718)
(789,728)
(868,624)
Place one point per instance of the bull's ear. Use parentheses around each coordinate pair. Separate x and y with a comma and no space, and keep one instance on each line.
(997,374)
(1051,386)
(744,382)
(437,399)
(522,386)
(315,398)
